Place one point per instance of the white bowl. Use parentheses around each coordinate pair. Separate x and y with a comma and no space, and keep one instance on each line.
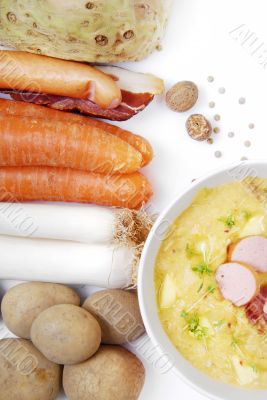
(202,383)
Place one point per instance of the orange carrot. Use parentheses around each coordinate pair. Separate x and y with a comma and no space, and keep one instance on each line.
(32,110)
(30,142)
(68,185)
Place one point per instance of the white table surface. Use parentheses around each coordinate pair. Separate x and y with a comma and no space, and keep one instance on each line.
(224,39)
(204,37)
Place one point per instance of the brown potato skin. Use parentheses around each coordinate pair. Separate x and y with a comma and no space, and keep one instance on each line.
(24,302)
(35,378)
(113,373)
(118,314)
(66,334)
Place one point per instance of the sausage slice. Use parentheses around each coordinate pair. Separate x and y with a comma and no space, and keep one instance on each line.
(251,250)
(237,282)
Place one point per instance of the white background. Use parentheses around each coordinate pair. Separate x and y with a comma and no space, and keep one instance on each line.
(199,43)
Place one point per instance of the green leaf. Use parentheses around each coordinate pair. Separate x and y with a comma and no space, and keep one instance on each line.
(201,332)
(184,314)
(202,269)
(254,367)
(229,221)
(235,341)
(191,251)
(218,324)
(246,215)
(212,288)
(193,323)
(200,287)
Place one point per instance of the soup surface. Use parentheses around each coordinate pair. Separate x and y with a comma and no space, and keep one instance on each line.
(216,336)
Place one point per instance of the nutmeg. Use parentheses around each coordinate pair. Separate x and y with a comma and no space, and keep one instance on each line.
(182,96)
(198,127)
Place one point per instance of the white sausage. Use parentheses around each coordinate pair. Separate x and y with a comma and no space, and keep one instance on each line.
(252,251)
(237,283)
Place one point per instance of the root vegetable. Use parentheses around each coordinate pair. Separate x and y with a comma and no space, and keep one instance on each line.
(88,224)
(25,374)
(66,334)
(23,303)
(68,262)
(62,184)
(118,314)
(85,31)
(112,373)
(40,74)
(38,142)
(19,108)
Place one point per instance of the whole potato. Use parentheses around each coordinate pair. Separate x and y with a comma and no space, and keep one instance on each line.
(113,373)
(66,334)
(23,303)
(118,314)
(25,374)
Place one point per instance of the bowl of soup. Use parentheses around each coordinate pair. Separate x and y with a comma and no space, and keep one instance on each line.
(203,283)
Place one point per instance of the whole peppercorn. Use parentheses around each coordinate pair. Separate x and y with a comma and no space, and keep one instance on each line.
(198,127)
(182,96)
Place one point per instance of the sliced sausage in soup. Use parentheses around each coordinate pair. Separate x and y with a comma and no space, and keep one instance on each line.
(237,282)
(251,250)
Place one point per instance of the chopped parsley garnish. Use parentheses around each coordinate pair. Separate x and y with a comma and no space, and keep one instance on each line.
(193,323)
(218,324)
(200,332)
(229,221)
(202,268)
(246,215)
(254,367)
(200,287)
(184,314)
(235,342)
(211,288)
(191,251)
